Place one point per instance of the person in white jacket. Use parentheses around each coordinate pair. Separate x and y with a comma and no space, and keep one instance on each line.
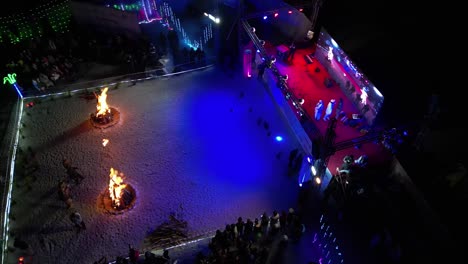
(329,110)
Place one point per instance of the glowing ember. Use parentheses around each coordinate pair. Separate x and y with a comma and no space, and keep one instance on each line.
(116,187)
(102,107)
(104,142)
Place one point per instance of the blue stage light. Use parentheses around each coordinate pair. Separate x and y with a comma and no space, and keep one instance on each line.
(279,138)
(265,17)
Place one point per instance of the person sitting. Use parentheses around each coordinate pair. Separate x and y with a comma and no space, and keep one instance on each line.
(45,80)
(347,165)
(72,171)
(38,85)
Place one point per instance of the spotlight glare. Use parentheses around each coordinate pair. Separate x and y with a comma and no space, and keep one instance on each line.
(318,180)
(265,17)
(377,92)
(314,171)
(289,12)
(279,138)
(301,9)
(213,18)
(334,43)
(276,14)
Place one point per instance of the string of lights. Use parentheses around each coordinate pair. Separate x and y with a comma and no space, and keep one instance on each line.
(28,25)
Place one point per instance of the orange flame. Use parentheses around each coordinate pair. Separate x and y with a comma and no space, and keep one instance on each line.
(102,107)
(115,186)
(104,142)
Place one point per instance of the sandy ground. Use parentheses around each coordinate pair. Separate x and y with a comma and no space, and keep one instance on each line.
(189,144)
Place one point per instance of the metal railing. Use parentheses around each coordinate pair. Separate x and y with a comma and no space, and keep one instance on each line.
(9,172)
(295,103)
(127,78)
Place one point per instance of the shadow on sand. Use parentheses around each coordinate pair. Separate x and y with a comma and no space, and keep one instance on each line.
(84,127)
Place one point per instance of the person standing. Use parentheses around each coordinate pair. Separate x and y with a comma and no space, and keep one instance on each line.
(292,157)
(292,51)
(329,110)
(339,108)
(318,110)
(133,254)
(261,70)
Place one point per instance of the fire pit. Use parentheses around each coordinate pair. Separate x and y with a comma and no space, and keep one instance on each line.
(105,116)
(119,197)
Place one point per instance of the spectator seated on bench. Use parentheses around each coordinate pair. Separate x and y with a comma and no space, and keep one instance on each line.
(343,117)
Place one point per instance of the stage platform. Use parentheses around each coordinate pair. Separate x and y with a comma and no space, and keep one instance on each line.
(309,81)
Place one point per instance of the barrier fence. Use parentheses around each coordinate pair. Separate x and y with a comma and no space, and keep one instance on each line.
(290,107)
(9,150)
(127,78)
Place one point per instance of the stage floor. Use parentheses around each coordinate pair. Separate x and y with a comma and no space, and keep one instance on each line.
(308,84)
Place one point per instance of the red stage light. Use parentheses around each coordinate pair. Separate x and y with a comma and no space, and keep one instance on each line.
(289,12)
(276,14)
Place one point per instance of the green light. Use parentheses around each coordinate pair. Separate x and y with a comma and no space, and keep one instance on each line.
(28,24)
(11,78)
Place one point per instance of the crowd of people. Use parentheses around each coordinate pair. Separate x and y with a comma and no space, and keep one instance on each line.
(244,242)
(253,241)
(134,257)
(46,62)
(42,62)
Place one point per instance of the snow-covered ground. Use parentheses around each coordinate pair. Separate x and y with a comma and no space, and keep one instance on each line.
(189,144)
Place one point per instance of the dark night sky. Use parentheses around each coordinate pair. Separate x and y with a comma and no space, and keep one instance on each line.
(19,5)
(387,41)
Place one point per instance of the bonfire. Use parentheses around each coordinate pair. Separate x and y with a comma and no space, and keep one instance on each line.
(116,187)
(102,107)
(105,116)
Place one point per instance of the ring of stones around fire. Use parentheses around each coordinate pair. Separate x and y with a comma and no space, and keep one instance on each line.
(115,119)
(108,206)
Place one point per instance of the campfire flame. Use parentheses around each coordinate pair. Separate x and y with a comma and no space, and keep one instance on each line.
(115,186)
(102,107)
(104,142)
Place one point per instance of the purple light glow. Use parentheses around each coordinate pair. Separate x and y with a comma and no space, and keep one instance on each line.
(144,8)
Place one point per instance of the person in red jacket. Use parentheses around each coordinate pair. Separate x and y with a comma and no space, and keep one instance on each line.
(133,254)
